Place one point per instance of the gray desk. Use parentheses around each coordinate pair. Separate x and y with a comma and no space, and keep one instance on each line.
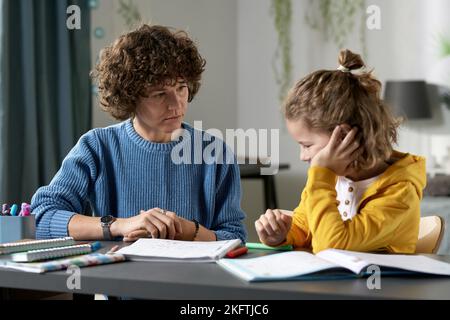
(158,280)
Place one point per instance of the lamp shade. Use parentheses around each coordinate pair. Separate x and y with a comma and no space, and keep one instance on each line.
(408,98)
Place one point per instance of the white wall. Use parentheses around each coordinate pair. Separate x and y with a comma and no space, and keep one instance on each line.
(212,24)
(404,48)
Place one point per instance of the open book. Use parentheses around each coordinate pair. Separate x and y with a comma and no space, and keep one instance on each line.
(174,250)
(330,264)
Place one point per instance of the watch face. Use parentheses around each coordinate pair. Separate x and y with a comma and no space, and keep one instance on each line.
(107,219)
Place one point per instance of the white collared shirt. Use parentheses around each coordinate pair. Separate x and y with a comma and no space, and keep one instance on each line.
(349,194)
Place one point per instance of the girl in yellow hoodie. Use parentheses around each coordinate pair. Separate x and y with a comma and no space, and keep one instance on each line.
(360,195)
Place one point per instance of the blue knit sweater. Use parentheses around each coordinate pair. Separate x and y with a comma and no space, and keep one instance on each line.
(115,171)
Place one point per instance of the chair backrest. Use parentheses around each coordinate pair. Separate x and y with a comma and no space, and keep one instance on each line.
(431,230)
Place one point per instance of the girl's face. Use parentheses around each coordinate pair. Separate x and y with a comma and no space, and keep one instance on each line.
(311,141)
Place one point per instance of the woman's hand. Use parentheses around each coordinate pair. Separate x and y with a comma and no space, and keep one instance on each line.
(340,152)
(184,230)
(273,226)
(154,223)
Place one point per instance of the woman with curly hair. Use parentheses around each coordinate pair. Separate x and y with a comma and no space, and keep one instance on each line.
(126,172)
(361,194)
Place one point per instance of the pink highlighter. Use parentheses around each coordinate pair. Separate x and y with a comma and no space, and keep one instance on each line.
(25,210)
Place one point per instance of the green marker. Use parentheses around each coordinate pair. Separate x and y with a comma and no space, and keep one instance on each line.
(257,245)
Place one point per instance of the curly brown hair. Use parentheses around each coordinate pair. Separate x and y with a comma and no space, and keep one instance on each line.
(146,57)
(327,98)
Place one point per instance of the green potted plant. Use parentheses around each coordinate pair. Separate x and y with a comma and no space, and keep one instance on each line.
(336,19)
(129,12)
(281,11)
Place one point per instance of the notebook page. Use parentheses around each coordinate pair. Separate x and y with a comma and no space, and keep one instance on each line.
(342,258)
(416,263)
(174,249)
(277,266)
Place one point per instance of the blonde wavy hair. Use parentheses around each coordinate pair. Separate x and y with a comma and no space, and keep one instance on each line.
(327,98)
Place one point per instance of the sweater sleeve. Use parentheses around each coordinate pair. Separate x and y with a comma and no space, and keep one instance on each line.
(67,194)
(372,229)
(228,216)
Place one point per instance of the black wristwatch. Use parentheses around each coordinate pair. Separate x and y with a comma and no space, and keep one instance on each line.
(106,223)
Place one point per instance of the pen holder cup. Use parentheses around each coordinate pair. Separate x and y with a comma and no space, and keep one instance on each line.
(17,228)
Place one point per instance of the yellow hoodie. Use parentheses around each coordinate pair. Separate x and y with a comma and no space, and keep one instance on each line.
(388,213)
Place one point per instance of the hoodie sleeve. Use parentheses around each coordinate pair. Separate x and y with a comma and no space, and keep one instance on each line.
(386,221)
(299,235)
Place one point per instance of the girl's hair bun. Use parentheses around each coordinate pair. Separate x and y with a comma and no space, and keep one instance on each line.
(350,60)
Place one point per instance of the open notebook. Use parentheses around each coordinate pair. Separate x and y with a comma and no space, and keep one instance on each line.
(175,250)
(330,264)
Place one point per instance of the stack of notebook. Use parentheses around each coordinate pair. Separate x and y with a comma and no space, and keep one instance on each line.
(54,254)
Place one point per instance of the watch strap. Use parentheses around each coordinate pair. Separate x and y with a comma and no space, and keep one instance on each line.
(197,227)
(106,228)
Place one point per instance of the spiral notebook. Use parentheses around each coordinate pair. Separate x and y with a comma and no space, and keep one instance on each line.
(21,246)
(86,260)
(53,253)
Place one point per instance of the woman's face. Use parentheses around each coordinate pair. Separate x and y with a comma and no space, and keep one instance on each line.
(164,107)
(311,141)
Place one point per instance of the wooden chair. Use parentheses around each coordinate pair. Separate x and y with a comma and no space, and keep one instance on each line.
(431,230)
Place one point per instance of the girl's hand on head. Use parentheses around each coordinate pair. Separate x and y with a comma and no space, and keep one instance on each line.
(340,152)
(272,227)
